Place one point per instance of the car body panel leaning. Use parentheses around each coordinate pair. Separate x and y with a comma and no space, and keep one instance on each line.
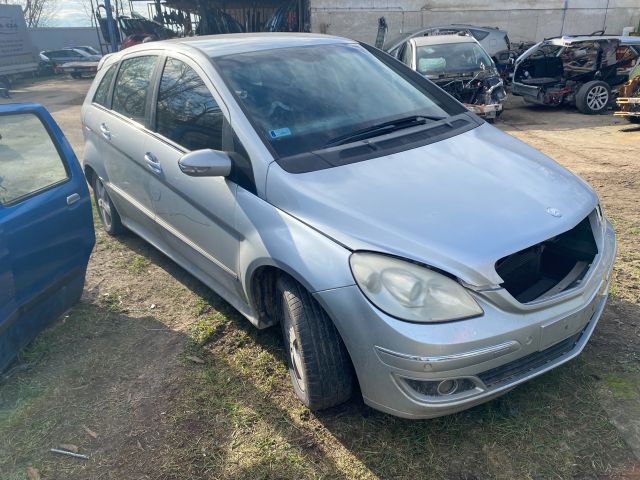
(45,242)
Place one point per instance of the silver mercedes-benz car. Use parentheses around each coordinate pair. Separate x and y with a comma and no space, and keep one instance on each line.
(316,182)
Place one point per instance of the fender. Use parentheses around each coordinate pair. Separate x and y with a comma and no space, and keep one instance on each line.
(271,237)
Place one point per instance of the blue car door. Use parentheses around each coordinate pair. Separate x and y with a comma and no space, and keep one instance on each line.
(46,225)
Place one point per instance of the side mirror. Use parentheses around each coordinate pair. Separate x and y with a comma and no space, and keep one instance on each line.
(205,163)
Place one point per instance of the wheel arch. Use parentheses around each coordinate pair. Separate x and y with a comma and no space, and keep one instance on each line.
(260,287)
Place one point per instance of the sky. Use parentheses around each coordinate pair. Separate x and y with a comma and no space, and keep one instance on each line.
(71,13)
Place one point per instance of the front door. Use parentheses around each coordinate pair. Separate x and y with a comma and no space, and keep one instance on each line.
(46,225)
(196,213)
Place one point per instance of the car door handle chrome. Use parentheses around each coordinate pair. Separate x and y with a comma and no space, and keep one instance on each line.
(106,133)
(152,163)
(73,198)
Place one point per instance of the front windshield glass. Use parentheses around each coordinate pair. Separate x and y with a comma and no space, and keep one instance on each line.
(451,58)
(301,98)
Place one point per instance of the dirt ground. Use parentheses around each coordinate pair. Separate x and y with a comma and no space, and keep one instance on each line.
(155,377)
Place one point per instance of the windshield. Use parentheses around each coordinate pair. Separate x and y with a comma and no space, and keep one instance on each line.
(451,58)
(301,98)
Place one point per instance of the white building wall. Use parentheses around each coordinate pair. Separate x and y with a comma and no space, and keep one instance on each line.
(522,19)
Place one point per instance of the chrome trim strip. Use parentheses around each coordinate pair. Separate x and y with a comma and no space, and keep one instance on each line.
(169,228)
(440,363)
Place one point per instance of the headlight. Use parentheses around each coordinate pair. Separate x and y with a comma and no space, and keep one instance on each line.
(411,292)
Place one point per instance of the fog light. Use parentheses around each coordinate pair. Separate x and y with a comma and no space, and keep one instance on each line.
(441,388)
(447,387)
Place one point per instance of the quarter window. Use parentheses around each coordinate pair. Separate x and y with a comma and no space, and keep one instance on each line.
(186,111)
(479,34)
(132,87)
(101,96)
(29,161)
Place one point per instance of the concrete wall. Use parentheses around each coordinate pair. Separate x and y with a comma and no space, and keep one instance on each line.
(61,37)
(523,19)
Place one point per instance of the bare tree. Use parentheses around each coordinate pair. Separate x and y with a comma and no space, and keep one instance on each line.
(36,12)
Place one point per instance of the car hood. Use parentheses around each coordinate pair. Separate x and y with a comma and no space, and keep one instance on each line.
(459,204)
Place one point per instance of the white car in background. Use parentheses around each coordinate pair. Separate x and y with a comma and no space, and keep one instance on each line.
(492,39)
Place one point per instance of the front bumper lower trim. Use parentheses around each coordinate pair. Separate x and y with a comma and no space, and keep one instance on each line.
(443,363)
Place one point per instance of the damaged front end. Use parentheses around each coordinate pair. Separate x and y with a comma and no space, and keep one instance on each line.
(580,70)
(482,93)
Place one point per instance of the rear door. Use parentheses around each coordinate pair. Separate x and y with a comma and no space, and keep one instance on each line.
(46,225)
(116,124)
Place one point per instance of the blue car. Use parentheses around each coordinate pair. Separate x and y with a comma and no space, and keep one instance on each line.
(46,226)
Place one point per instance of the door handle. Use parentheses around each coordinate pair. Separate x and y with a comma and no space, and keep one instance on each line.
(106,133)
(73,198)
(153,163)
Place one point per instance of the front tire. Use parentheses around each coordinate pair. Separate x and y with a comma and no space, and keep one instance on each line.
(319,365)
(109,216)
(593,97)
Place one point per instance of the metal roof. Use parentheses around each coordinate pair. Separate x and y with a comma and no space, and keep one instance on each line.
(570,39)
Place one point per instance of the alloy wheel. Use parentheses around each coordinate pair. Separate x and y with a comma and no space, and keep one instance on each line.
(597,98)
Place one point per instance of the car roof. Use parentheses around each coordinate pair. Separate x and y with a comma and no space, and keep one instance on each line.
(403,37)
(237,43)
(570,39)
(441,39)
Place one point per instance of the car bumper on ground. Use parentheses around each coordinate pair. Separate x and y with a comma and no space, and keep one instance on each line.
(428,370)
(491,110)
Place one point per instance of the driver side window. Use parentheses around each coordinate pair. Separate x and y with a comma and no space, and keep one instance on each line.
(186,112)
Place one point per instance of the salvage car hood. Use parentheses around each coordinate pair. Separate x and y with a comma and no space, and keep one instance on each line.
(459,204)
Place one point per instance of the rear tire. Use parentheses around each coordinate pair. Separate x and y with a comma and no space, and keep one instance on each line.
(635,120)
(107,212)
(319,365)
(593,97)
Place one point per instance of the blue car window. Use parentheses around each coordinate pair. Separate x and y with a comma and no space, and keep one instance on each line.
(29,161)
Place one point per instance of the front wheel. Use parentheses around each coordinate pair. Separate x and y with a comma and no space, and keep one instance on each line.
(593,97)
(319,365)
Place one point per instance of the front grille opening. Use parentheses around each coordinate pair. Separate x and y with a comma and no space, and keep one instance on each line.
(524,365)
(550,267)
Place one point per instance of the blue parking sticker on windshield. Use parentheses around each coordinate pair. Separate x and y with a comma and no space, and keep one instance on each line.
(280,132)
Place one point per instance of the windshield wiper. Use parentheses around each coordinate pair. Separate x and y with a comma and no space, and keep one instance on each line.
(382,128)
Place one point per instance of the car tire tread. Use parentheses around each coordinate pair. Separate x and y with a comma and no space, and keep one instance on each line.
(328,370)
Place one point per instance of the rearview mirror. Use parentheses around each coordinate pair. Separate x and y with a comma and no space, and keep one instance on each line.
(205,163)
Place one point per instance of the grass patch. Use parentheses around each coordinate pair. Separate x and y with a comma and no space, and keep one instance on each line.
(623,387)
(138,264)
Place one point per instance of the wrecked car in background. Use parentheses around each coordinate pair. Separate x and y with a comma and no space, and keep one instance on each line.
(460,66)
(629,97)
(492,39)
(579,70)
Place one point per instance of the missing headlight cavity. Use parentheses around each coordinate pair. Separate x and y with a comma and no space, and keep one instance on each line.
(549,267)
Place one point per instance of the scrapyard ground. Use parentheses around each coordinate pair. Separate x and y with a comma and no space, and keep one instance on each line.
(115,377)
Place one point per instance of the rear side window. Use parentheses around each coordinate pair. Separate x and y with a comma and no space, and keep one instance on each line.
(186,111)
(132,87)
(29,161)
(101,96)
(479,34)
